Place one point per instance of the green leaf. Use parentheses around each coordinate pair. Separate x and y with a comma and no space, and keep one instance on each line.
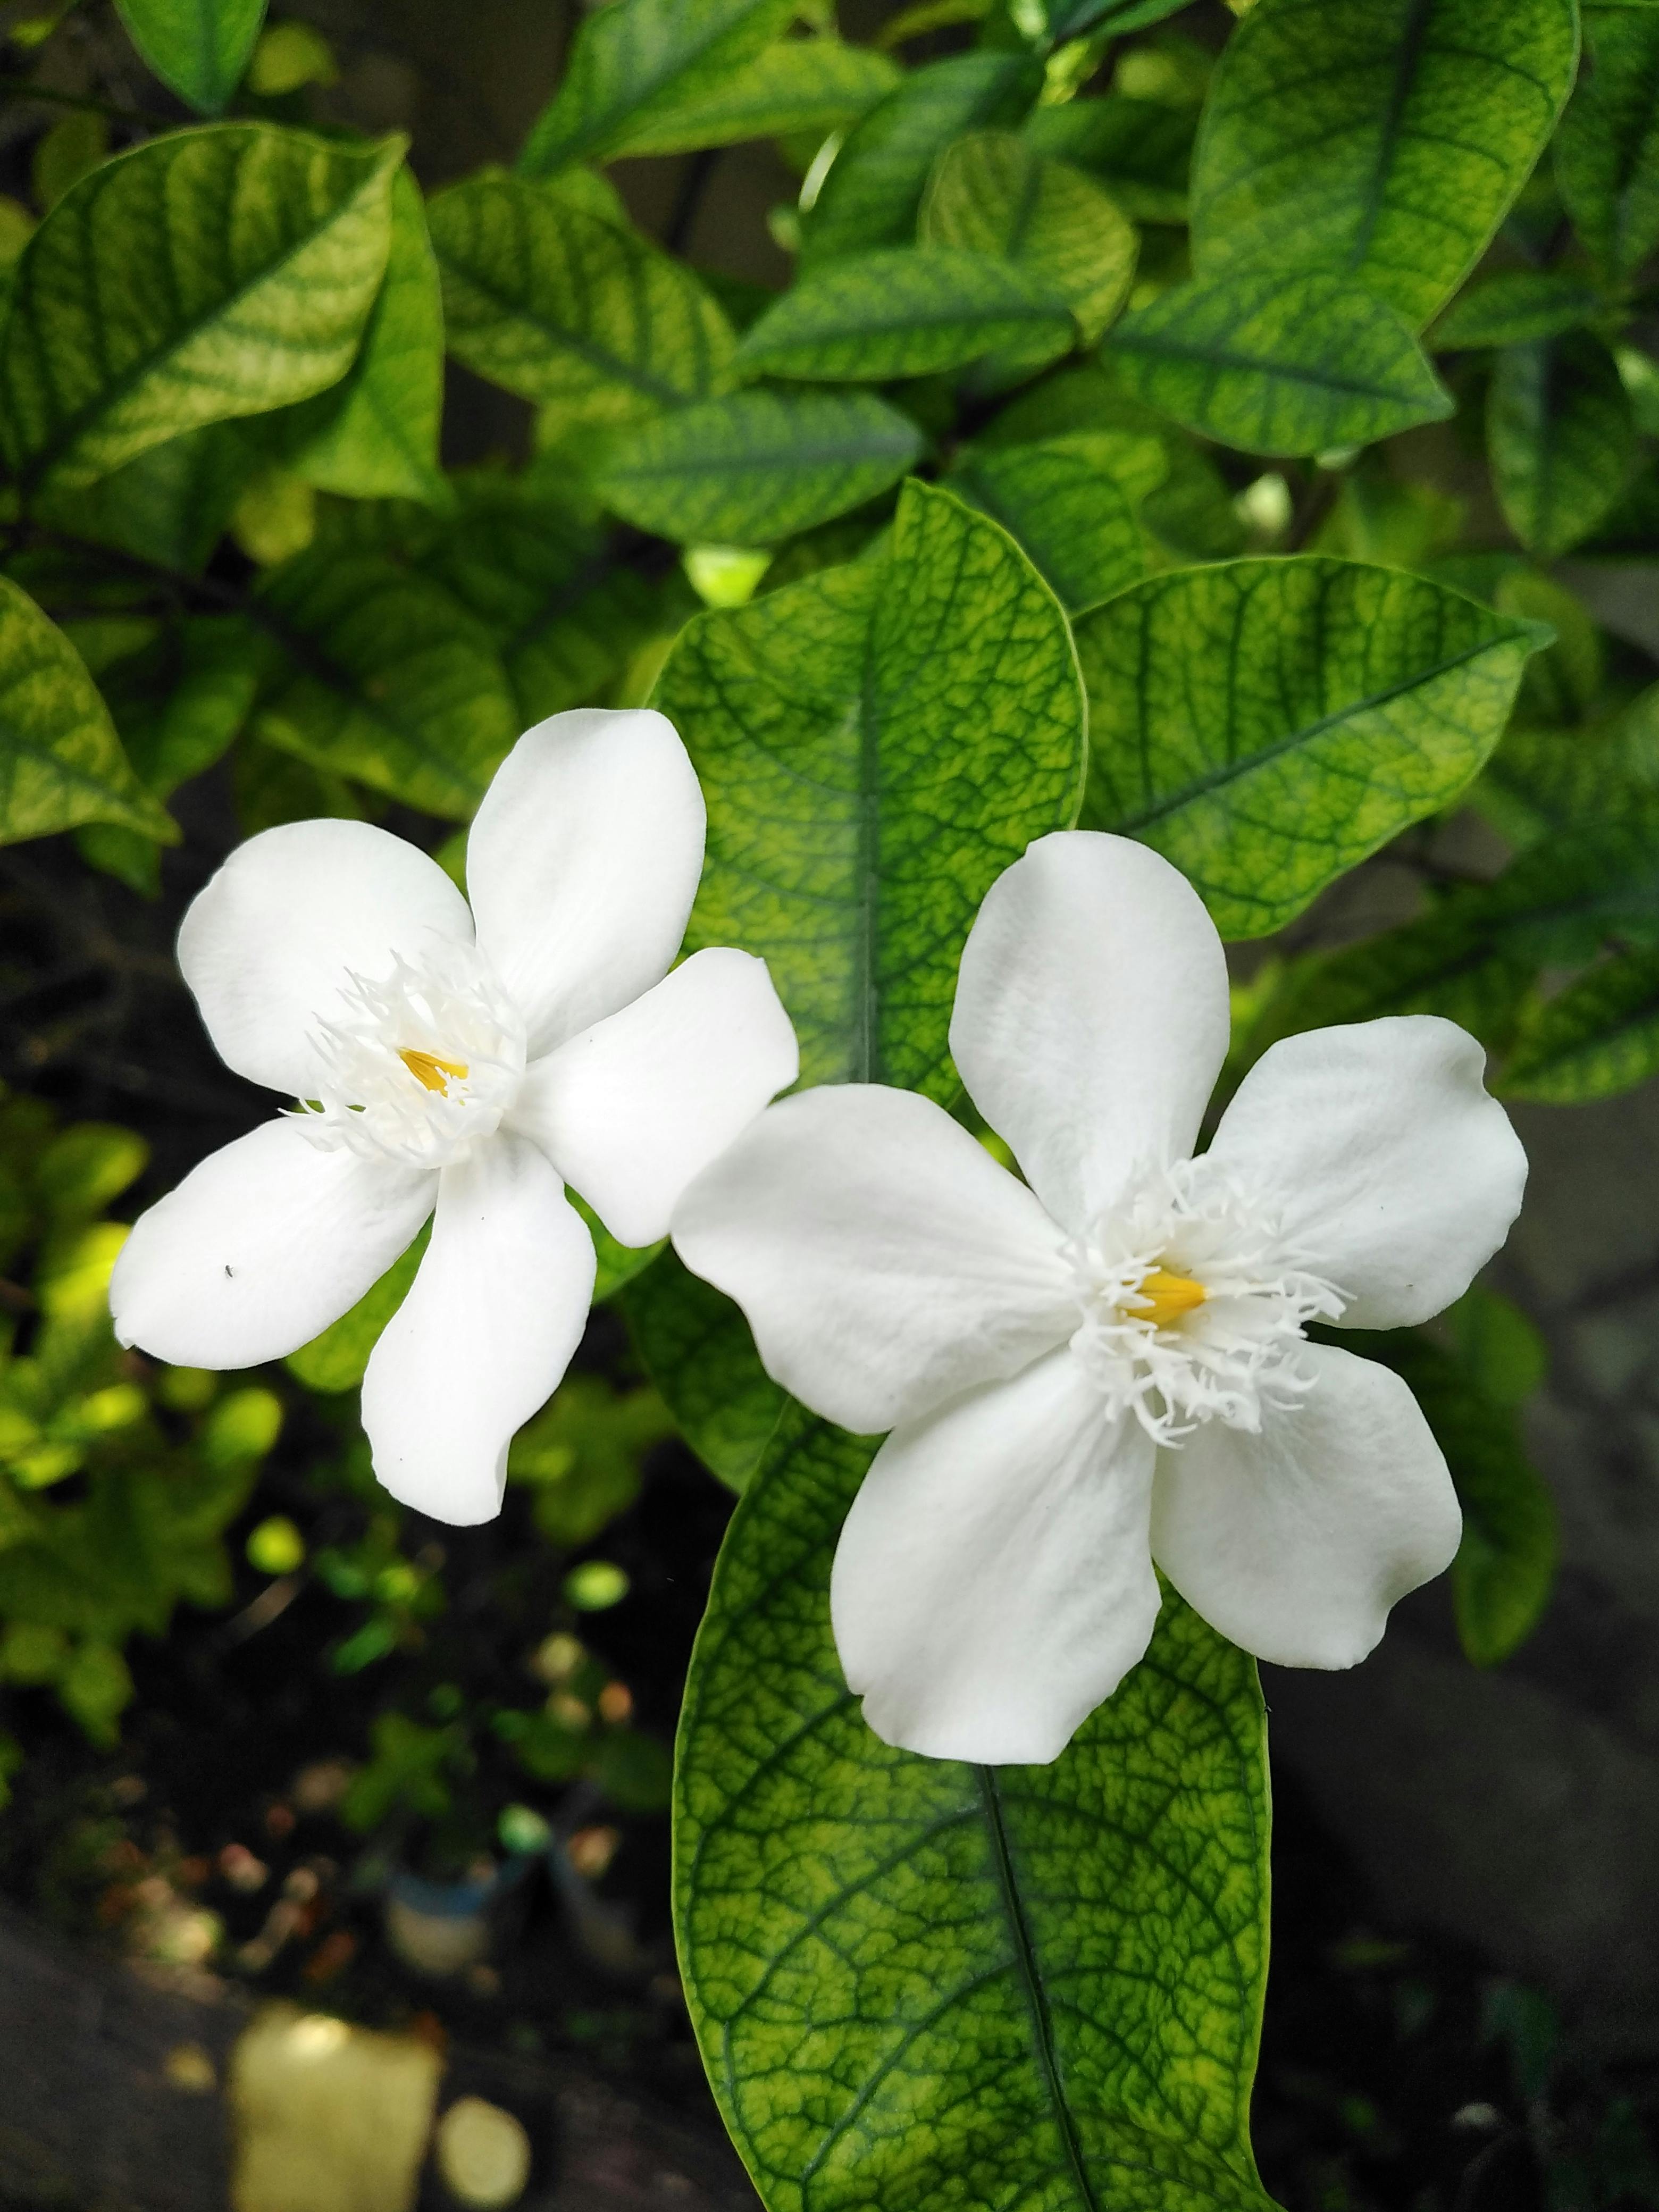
(1277,364)
(208,274)
(1596,1038)
(1070,503)
(757,467)
(639,59)
(695,1346)
(1381,141)
(170,506)
(874,189)
(799,85)
(564,308)
(876,744)
(388,679)
(904,311)
(1139,149)
(1607,153)
(1070,19)
(1520,305)
(1542,781)
(338,1358)
(198,48)
(1560,437)
(991,193)
(918,1984)
(1266,723)
(61,762)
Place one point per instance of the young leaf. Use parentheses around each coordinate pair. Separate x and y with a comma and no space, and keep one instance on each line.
(757,467)
(1266,724)
(920,1984)
(1277,364)
(799,85)
(1606,153)
(1070,503)
(563,308)
(61,761)
(876,744)
(1598,1037)
(1519,305)
(208,274)
(695,1346)
(198,48)
(905,311)
(1560,437)
(636,59)
(875,186)
(1380,142)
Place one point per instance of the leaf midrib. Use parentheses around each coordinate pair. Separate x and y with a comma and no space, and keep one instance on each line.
(1160,346)
(613,365)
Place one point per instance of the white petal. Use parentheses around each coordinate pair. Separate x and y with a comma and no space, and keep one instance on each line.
(270,942)
(1091,1015)
(1393,1174)
(885,1261)
(1295,1543)
(484,1336)
(634,1108)
(582,864)
(994,1581)
(261,1248)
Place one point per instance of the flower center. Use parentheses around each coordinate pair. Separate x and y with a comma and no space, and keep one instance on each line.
(1191,1306)
(421,1065)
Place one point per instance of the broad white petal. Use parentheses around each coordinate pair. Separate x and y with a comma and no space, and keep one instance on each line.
(1395,1175)
(270,942)
(1091,1015)
(484,1336)
(1295,1543)
(634,1108)
(261,1248)
(582,864)
(994,1581)
(885,1261)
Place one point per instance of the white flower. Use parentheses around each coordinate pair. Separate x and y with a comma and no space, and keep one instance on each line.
(1105,1366)
(471,1062)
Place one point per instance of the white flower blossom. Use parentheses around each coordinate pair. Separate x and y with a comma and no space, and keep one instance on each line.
(1106,1365)
(460,1063)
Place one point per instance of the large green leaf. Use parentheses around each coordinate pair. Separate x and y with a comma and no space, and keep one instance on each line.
(1277,364)
(757,467)
(1267,723)
(905,311)
(1560,437)
(797,85)
(920,1984)
(1606,153)
(877,744)
(1070,503)
(1381,141)
(637,59)
(388,679)
(61,762)
(564,308)
(1596,1038)
(696,1348)
(208,274)
(875,186)
(199,48)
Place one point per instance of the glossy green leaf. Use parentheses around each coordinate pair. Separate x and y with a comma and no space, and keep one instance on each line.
(905,311)
(874,188)
(1606,153)
(1520,305)
(757,467)
(797,85)
(198,48)
(1266,724)
(1070,503)
(991,193)
(338,1359)
(638,60)
(388,679)
(1560,437)
(696,1347)
(918,1984)
(212,273)
(1596,1038)
(564,308)
(1381,141)
(61,762)
(1138,150)
(876,744)
(1277,364)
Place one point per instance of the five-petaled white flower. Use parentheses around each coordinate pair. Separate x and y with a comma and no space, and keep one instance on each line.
(471,1062)
(1106,1365)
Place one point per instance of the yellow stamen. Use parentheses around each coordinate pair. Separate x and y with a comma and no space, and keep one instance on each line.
(1162,1298)
(427,1068)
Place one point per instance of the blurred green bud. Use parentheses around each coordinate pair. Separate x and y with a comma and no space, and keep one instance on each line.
(595,1585)
(84,1168)
(243,1426)
(276,1547)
